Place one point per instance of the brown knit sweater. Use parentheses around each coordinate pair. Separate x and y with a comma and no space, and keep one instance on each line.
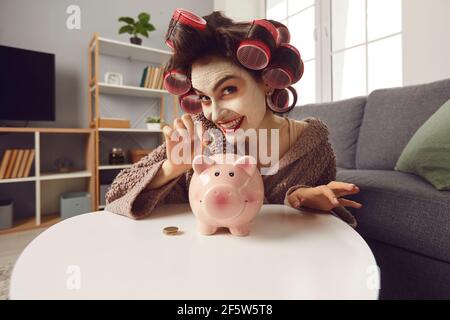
(308,163)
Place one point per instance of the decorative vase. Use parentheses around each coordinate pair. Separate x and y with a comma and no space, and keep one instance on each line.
(136,40)
(154,126)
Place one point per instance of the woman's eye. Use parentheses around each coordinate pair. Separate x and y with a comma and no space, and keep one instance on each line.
(216,173)
(204,98)
(229,90)
(231,174)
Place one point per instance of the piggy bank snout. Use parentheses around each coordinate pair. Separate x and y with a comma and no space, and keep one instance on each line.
(223,201)
(221,195)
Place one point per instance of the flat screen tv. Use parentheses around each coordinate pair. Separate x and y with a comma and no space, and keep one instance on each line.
(27,85)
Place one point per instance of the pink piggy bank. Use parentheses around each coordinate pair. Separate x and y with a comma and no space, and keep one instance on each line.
(226,190)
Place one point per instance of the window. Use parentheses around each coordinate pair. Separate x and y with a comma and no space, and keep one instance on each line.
(356,42)
(366,46)
(299,15)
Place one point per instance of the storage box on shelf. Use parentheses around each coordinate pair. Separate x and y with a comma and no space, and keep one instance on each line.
(39,175)
(99,47)
(74,203)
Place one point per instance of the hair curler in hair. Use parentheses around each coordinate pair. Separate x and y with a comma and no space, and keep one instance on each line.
(185,18)
(285,69)
(256,51)
(278,101)
(177,82)
(284,36)
(190,102)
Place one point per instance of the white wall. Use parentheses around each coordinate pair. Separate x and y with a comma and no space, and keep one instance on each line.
(426,41)
(241,10)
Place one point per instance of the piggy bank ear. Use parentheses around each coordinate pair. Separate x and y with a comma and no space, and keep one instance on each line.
(246,163)
(201,163)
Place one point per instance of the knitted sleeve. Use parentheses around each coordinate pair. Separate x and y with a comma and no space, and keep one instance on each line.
(129,196)
(324,168)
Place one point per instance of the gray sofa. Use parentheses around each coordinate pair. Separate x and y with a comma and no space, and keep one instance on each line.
(404,219)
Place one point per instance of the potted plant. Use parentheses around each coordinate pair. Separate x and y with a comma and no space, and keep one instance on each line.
(154,123)
(141,26)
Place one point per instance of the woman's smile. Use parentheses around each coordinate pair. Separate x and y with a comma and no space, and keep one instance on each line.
(230,126)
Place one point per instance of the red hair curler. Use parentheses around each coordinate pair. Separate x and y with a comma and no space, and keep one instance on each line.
(177,82)
(190,102)
(284,36)
(255,52)
(278,101)
(186,18)
(285,69)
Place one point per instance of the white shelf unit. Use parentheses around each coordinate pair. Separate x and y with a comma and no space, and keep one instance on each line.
(128,130)
(69,175)
(131,91)
(99,46)
(40,176)
(129,51)
(13,180)
(50,176)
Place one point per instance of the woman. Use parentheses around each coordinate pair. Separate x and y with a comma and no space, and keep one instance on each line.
(226,90)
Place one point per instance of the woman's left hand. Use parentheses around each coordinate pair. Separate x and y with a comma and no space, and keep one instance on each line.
(324,197)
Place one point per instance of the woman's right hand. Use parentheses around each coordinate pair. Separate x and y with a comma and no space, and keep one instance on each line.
(183,128)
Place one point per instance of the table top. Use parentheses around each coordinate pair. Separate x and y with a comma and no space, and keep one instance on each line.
(288,255)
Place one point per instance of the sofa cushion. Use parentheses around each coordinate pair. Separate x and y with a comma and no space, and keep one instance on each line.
(391,117)
(401,209)
(343,119)
(427,154)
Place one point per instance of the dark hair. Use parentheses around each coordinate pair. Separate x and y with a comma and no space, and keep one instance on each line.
(221,38)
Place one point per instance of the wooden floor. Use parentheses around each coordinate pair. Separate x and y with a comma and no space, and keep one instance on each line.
(30,223)
(12,244)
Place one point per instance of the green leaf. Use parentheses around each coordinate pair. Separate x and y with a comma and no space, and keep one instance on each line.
(128,20)
(126,29)
(150,27)
(144,16)
(154,120)
(141,30)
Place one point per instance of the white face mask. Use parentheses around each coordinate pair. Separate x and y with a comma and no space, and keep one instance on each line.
(236,98)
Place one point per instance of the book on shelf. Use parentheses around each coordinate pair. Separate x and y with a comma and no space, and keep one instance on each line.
(29,163)
(155,78)
(152,77)
(144,77)
(21,172)
(158,77)
(5,161)
(147,76)
(159,84)
(12,160)
(16,163)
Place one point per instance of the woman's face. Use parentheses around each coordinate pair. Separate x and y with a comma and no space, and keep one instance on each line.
(230,96)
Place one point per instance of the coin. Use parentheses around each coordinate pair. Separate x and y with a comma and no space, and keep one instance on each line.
(170,230)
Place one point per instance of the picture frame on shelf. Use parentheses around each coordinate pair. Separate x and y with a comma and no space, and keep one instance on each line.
(114,78)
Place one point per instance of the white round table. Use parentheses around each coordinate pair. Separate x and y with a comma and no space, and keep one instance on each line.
(288,255)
